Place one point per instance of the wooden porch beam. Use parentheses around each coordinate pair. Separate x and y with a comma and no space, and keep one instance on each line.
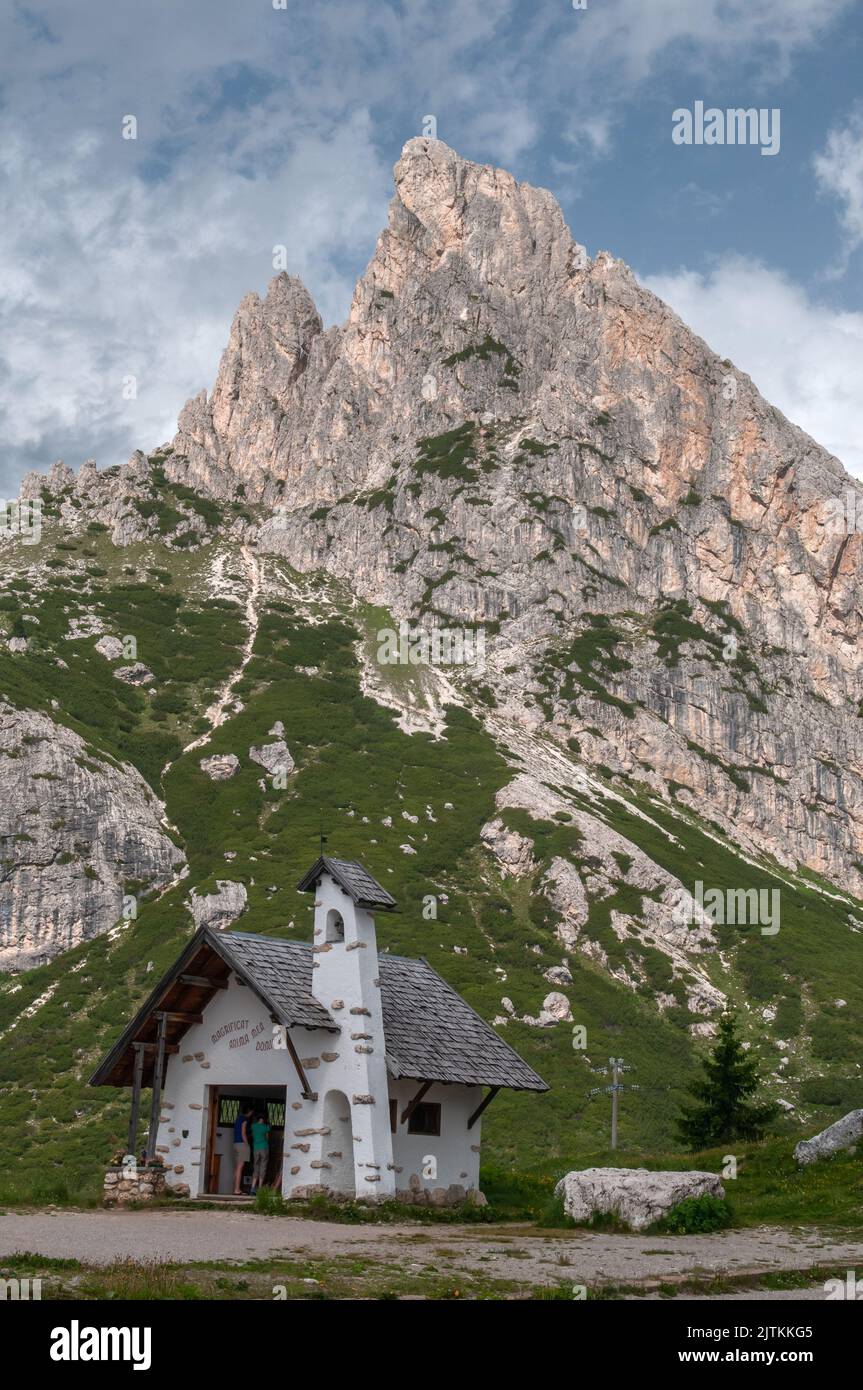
(487,1100)
(173,1017)
(412,1104)
(136,1098)
(158,1070)
(202,982)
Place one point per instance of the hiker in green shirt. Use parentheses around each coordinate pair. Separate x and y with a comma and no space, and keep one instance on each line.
(260,1151)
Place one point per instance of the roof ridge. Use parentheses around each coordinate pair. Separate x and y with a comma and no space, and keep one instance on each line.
(307,945)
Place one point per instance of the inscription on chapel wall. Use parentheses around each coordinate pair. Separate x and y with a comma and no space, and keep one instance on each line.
(238,1034)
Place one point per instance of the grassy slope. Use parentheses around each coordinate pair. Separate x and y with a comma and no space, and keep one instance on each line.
(354,769)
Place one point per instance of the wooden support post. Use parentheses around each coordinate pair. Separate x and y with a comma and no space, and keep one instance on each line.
(158,1068)
(307,1093)
(136,1099)
(412,1104)
(487,1100)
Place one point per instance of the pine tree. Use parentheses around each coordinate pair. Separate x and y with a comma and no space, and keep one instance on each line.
(723,1108)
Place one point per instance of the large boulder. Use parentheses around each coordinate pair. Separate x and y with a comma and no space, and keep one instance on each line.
(843,1135)
(220,766)
(273,756)
(636,1196)
(218,909)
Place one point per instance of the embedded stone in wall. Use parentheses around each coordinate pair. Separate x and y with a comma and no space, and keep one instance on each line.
(337,1004)
(195,1105)
(356,946)
(374,1179)
(318,1163)
(310,1062)
(179,1168)
(362,1037)
(303,1148)
(188,1057)
(360,1009)
(361,1047)
(295,1170)
(296,1105)
(301,1133)
(199,1056)
(362,1100)
(336,1153)
(329,1056)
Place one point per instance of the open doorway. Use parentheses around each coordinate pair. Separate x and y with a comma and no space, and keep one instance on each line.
(225,1105)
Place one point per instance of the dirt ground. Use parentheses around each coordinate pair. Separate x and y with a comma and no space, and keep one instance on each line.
(497,1252)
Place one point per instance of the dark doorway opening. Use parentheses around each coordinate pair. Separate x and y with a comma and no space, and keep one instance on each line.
(225,1104)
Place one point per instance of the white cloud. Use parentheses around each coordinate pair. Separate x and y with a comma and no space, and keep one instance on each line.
(259,127)
(804,357)
(839,172)
(120,278)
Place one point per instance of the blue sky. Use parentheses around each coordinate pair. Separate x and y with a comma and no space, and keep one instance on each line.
(260,126)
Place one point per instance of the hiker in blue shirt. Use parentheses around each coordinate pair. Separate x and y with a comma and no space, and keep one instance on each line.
(242,1146)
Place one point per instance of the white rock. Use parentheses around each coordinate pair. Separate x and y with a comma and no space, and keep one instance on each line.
(220,766)
(109,647)
(636,1196)
(557,975)
(218,909)
(273,756)
(137,674)
(17,645)
(844,1134)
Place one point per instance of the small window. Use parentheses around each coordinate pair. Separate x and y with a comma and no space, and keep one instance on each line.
(335,927)
(276,1113)
(394,1116)
(229,1109)
(425,1119)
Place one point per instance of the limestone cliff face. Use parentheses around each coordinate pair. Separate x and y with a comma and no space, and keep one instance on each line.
(590,460)
(79,832)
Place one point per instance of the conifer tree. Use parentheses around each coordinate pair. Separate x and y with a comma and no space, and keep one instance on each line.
(724,1109)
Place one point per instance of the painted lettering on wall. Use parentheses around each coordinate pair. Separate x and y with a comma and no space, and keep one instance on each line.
(237,1025)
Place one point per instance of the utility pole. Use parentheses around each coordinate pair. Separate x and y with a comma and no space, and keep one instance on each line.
(616,1066)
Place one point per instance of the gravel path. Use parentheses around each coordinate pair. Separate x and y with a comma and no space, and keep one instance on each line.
(502,1252)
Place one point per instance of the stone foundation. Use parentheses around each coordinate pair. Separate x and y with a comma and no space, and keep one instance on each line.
(451,1196)
(128,1185)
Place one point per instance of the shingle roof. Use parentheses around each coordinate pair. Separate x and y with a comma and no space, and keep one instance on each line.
(430,1032)
(284,976)
(356,881)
